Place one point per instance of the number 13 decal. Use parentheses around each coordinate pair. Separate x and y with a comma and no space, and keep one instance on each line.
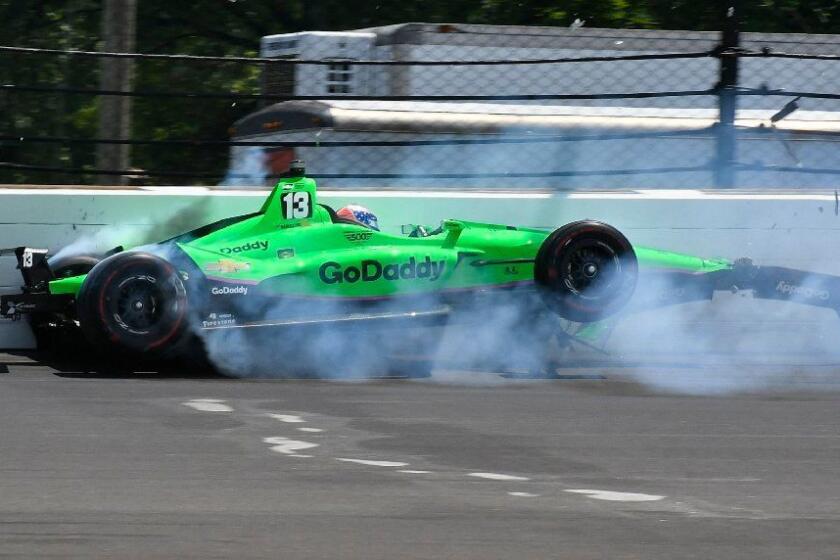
(27,258)
(296,205)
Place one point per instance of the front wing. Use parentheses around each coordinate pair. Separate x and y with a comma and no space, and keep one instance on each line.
(658,288)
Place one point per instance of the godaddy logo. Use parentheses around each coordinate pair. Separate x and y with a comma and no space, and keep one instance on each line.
(371,270)
(229,290)
(802,291)
(252,246)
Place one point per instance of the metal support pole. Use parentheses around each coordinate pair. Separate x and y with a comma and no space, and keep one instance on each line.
(727,98)
(119,35)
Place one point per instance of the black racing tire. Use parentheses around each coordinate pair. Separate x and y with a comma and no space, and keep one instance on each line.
(586,271)
(133,302)
(73,265)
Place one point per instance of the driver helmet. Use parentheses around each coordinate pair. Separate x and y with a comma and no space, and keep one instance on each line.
(359,214)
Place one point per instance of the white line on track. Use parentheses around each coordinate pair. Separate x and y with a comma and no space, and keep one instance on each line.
(312,430)
(373,463)
(288,418)
(208,405)
(523,494)
(410,471)
(496,476)
(288,446)
(611,496)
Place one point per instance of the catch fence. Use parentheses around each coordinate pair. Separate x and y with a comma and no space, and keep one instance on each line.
(448,106)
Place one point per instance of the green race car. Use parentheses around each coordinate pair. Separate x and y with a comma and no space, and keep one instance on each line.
(295,262)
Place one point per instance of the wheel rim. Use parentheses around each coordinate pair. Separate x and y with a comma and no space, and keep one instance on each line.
(590,270)
(139,304)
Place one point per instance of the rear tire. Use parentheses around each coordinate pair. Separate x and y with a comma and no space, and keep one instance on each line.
(586,270)
(135,302)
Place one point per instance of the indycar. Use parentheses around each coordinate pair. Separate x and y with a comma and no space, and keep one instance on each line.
(295,262)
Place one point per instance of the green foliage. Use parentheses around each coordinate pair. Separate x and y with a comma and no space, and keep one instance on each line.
(234,27)
(47,24)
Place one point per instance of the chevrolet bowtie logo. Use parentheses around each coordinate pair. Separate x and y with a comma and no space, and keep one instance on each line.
(227,266)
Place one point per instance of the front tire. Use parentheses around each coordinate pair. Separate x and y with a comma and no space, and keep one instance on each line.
(135,302)
(586,270)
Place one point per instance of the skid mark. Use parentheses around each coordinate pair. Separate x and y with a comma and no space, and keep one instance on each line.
(373,463)
(496,476)
(208,405)
(289,446)
(611,496)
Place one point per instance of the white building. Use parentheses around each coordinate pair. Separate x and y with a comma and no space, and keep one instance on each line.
(413,42)
(604,143)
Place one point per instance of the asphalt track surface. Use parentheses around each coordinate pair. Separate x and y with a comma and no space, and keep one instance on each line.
(465,465)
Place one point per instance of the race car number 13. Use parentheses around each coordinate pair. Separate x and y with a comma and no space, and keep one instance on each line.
(296,205)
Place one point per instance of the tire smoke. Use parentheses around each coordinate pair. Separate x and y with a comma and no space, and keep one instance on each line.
(129,236)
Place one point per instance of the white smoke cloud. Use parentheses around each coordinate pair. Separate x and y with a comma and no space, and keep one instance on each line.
(247,168)
(103,240)
(128,236)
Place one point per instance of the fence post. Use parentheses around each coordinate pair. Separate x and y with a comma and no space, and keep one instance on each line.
(727,98)
(119,30)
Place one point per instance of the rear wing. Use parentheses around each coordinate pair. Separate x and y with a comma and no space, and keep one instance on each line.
(37,274)
(33,266)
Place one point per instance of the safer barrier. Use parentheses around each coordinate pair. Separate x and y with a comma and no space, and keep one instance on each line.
(797,229)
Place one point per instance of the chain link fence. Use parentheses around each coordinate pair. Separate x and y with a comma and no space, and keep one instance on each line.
(447,106)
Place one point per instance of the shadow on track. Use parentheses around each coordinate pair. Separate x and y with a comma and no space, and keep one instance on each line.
(67,354)
(71,356)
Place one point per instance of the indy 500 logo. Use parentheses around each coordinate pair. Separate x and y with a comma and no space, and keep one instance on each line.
(802,291)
